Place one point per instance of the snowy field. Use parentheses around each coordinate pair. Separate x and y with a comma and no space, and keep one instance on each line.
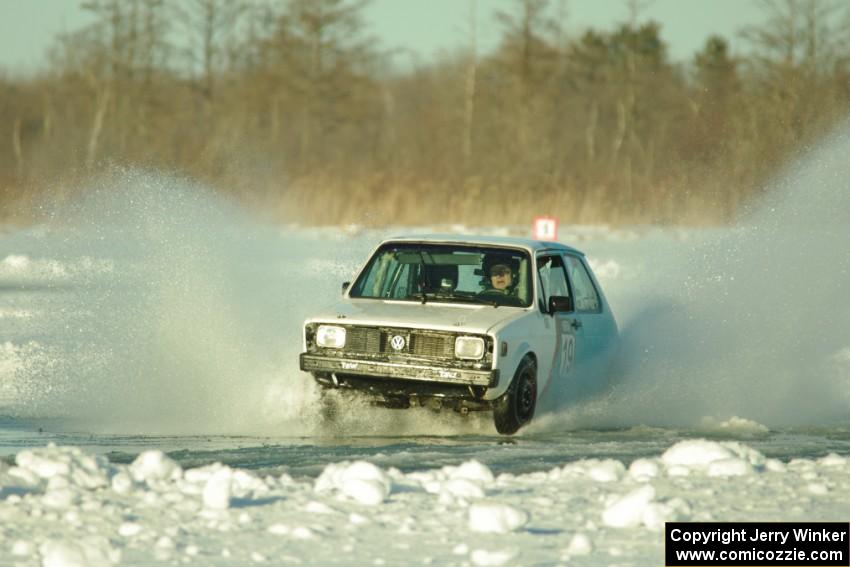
(152,411)
(63,506)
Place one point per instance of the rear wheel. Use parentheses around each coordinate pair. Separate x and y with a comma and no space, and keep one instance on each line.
(515,407)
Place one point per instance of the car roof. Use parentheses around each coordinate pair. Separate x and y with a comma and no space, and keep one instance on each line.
(527,243)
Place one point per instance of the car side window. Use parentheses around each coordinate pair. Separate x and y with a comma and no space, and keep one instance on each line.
(586,296)
(553,278)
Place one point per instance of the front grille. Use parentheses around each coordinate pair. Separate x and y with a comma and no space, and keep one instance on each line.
(425,344)
(375,343)
(363,339)
(436,346)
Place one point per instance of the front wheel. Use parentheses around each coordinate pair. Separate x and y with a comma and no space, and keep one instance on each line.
(515,407)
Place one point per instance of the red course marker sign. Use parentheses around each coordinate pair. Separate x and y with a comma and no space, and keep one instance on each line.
(544,228)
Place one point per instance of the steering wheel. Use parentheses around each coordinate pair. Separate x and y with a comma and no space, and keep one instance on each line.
(492,294)
(500,298)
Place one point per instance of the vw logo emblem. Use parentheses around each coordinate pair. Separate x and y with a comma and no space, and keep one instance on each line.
(397,342)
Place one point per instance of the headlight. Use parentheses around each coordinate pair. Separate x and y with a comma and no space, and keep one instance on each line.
(470,348)
(330,336)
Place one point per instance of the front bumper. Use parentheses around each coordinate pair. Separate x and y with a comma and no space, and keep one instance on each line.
(463,377)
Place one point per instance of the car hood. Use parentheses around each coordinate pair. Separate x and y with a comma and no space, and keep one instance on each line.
(437,316)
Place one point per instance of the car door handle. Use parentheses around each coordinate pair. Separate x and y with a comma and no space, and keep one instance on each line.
(575,323)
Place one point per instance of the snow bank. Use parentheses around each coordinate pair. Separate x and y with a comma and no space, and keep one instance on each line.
(62,506)
(713,458)
(734,427)
(65,466)
(23,268)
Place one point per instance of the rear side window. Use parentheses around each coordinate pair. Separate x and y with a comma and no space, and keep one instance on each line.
(553,279)
(586,296)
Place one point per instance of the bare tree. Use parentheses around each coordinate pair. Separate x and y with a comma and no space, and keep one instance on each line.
(323,57)
(289,105)
(469,84)
(796,51)
(208,25)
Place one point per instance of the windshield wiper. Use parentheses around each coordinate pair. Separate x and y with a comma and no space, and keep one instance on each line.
(474,299)
(443,298)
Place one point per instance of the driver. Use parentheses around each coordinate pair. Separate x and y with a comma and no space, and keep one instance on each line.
(500,283)
(501,278)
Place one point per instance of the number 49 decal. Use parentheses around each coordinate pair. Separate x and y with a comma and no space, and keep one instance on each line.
(568,353)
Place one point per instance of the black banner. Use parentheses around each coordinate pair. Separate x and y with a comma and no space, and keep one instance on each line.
(816,544)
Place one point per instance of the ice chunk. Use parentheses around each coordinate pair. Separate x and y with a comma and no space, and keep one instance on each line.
(360,481)
(365,491)
(484,557)
(44,464)
(60,498)
(154,465)
(245,485)
(463,488)
(627,511)
(492,517)
(700,453)
(68,463)
(302,532)
(607,470)
(129,529)
(314,507)
(832,460)
(729,467)
(278,529)
(579,545)
(165,543)
(361,470)
(217,491)
(23,548)
(122,483)
(87,552)
(658,513)
(644,469)
(474,471)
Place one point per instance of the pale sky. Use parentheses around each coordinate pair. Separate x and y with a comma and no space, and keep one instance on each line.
(421,27)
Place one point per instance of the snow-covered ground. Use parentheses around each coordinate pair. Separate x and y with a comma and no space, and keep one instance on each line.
(152,309)
(63,506)
(60,506)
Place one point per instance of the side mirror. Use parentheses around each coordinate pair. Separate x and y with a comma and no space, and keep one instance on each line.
(345,286)
(560,303)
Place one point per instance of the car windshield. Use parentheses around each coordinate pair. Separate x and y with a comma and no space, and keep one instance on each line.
(446,273)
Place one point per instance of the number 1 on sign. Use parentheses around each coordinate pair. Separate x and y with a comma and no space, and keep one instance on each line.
(545,228)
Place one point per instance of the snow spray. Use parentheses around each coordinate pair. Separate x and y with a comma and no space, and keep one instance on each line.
(173,312)
(750,322)
(176,318)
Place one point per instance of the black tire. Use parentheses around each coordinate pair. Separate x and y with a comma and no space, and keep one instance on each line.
(515,407)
